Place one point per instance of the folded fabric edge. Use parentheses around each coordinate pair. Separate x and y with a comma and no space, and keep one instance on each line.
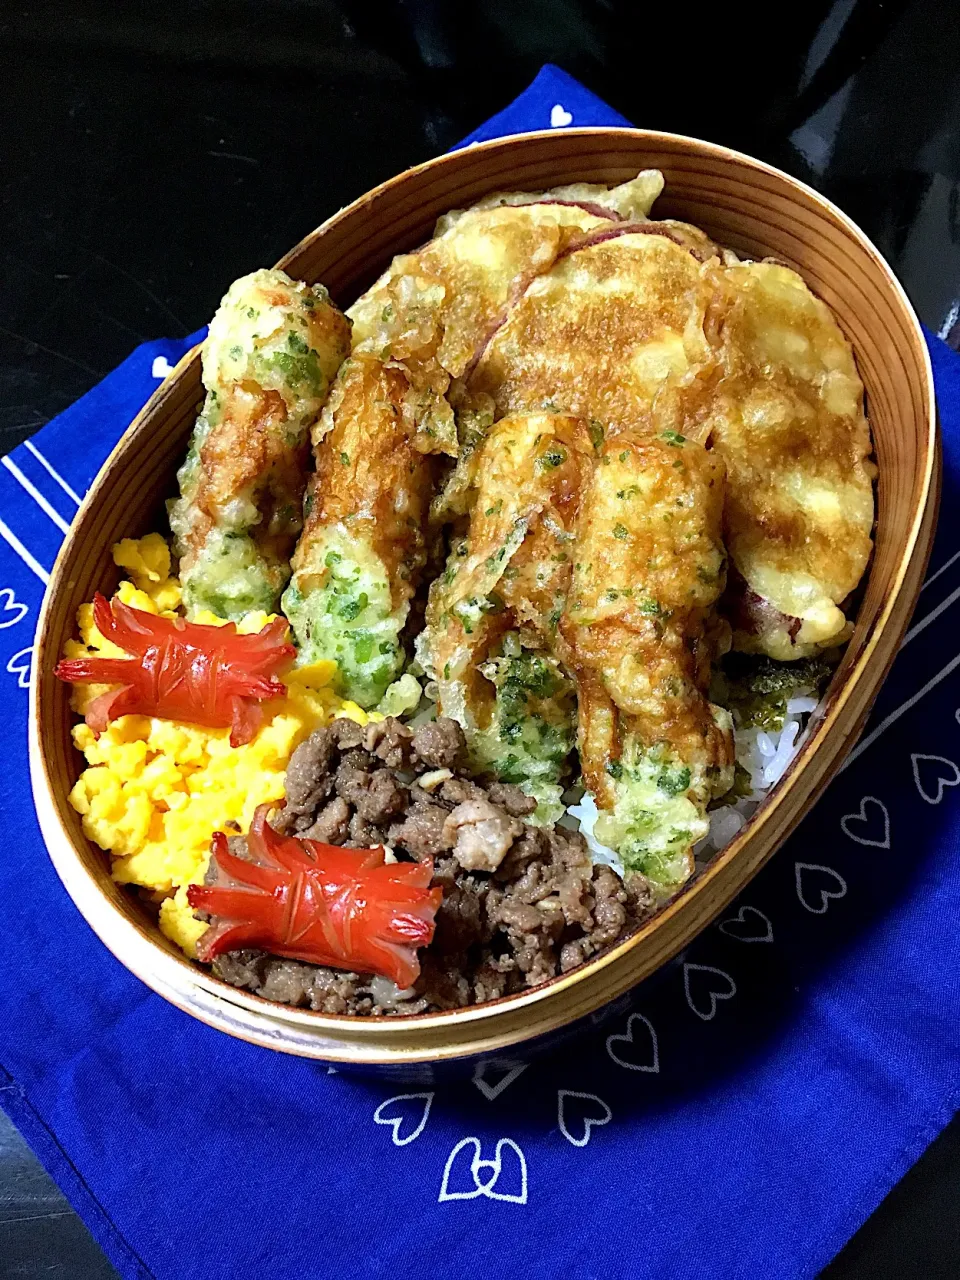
(826,1248)
(582,104)
(61,1169)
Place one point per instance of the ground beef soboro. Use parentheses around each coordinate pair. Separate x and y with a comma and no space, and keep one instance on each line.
(521,904)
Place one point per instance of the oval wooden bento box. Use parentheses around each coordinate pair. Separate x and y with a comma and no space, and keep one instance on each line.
(740,202)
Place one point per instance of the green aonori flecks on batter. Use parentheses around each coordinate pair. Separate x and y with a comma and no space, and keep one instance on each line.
(272,352)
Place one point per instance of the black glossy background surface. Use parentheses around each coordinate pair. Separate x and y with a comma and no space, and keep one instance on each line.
(150,153)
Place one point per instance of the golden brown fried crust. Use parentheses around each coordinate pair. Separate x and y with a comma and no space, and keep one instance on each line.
(246,455)
(537,585)
(478,267)
(642,331)
(648,567)
(618,567)
(369,477)
(539,577)
(690,237)
(788,420)
(530,474)
(612,333)
(252,453)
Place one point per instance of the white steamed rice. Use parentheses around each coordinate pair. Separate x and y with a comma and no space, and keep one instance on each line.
(765,757)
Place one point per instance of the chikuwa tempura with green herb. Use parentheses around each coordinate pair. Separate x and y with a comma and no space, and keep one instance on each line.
(493,611)
(273,349)
(540,558)
(364,541)
(649,567)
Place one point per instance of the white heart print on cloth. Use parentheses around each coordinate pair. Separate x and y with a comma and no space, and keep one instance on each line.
(704,987)
(407,1114)
(12,610)
(933,774)
(579,1113)
(492,1134)
(817,885)
(748,925)
(19,665)
(493,1075)
(504,1177)
(870,826)
(492,1140)
(640,1054)
(560,117)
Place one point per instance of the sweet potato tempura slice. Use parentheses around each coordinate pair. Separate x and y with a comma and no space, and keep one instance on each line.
(788,421)
(613,332)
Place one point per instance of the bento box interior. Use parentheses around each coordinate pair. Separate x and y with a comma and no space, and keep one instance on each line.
(738,203)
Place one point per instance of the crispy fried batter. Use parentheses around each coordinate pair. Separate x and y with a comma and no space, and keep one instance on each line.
(788,421)
(363,545)
(273,349)
(492,616)
(445,298)
(614,333)
(513,566)
(607,376)
(369,477)
(658,329)
(247,458)
(434,310)
(628,201)
(648,567)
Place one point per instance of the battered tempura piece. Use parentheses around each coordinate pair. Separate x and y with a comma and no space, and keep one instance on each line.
(435,309)
(648,566)
(273,349)
(789,424)
(613,332)
(442,302)
(628,201)
(363,543)
(493,614)
(447,296)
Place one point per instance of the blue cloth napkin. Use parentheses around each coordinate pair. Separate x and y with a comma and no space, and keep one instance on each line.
(741,1118)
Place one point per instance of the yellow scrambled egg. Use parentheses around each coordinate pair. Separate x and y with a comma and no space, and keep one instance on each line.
(155,791)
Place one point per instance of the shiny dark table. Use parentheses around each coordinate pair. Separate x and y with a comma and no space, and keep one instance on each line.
(150,154)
